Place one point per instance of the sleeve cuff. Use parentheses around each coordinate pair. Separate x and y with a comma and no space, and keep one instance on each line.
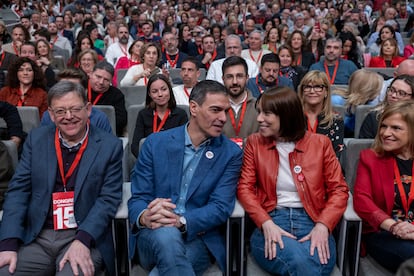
(85,238)
(9,245)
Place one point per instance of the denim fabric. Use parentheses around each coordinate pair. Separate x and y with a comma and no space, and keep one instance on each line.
(166,249)
(387,250)
(295,258)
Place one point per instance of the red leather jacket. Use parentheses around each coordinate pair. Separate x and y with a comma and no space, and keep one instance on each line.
(323,190)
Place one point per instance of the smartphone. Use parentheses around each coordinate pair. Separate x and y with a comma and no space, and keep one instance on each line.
(318,26)
(155,71)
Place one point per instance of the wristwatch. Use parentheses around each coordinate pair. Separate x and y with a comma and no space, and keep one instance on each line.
(183,227)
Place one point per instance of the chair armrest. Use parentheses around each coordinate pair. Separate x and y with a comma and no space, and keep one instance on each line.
(350,214)
(238,210)
(122,212)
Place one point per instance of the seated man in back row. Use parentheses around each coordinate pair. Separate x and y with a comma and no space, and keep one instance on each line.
(183,189)
(61,201)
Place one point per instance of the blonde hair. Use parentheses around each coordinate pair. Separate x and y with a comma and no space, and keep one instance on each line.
(318,77)
(406,110)
(364,86)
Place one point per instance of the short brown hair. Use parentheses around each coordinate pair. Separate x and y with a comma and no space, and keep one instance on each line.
(285,103)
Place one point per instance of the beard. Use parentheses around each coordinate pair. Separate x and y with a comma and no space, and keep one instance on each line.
(123,40)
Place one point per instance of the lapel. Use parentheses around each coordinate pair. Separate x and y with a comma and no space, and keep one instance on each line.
(203,169)
(175,155)
(51,160)
(386,176)
(89,156)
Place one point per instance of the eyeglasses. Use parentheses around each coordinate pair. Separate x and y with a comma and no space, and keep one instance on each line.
(316,88)
(60,112)
(399,93)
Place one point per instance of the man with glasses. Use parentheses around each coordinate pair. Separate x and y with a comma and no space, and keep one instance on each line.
(172,57)
(241,117)
(338,70)
(62,199)
(268,76)
(101,92)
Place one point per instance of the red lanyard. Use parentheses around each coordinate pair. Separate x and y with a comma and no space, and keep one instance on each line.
(331,80)
(310,127)
(258,58)
(2,58)
(90,95)
(172,62)
(273,48)
(200,50)
(260,88)
(186,92)
(299,60)
(53,42)
(406,203)
(20,102)
(211,60)
(16,50)
(124,51)
(233,119)
(60,159)
(156,128)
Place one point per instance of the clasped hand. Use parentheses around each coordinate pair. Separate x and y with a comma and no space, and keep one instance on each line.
(159,213)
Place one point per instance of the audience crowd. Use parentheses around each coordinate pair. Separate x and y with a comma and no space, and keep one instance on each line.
(333,54)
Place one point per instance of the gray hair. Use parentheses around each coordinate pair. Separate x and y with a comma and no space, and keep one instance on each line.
(63,88)
(257,32)
(104,65)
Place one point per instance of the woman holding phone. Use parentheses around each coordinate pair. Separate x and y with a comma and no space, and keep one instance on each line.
(138,75)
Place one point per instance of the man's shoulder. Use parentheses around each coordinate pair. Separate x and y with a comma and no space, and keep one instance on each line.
(318,65)
(107,138)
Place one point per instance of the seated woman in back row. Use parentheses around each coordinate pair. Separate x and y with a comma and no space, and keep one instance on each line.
(383,194)
(160,112)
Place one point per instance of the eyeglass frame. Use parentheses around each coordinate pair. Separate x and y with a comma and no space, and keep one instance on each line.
(399,93)
(73,110)
(308,88)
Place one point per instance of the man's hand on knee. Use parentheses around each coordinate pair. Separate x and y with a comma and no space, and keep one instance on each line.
(78,255)
(9,258)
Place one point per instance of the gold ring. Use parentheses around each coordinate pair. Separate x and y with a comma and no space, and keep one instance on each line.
(273,241)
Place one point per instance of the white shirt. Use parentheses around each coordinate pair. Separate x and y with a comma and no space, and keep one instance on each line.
(257,55)
(128,80)
(216,73)
(180,96)
(115,51)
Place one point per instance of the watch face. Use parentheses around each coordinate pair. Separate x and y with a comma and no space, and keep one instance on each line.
(183,220)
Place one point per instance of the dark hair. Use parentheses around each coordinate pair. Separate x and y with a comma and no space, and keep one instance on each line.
(43,32)
(285,103)
(62,88)
(132,46)
(267,21)
(390,28)
(270,57)
(25,31)
(28,43)
(353,54)
(201,89)
(233,61)
(193,60)
(38,76)
(289,40)
(73,73)
(149,103)
(408,79)
(104,65)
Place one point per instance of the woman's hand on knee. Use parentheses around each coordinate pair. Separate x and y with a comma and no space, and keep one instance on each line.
(404,230)
(319,240)
(273,235)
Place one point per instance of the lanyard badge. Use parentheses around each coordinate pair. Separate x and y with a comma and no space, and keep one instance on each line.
(63,210)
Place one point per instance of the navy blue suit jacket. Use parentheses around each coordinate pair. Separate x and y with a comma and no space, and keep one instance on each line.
(98,189)
(211,195)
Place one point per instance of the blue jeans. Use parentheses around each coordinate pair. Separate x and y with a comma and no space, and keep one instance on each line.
(166,249)
(295,258)
(387,250)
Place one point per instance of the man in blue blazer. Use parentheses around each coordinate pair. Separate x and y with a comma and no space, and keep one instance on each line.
(64,194)
(183,189)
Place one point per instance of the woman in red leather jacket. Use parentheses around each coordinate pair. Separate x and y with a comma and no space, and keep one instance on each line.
(292,187)
(388,57)
(383,194)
